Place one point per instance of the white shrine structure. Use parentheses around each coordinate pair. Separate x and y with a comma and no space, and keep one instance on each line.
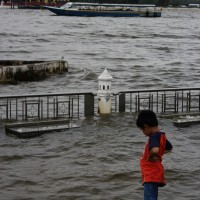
(104,92)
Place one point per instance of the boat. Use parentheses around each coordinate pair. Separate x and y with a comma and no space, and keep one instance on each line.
(106,10)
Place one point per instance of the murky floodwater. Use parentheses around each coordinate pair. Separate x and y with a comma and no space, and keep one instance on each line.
(100,160)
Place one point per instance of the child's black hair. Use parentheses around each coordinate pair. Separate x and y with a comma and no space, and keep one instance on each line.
(146,117)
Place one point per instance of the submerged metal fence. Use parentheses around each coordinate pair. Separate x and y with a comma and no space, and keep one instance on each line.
(46,106)
(170,100)
(77,105)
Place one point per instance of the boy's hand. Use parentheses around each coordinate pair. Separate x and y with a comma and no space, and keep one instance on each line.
(153,155)
(153,159)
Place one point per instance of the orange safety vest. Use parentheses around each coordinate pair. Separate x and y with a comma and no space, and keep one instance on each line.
(153,171)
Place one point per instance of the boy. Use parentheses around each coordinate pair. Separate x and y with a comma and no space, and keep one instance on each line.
(151,160)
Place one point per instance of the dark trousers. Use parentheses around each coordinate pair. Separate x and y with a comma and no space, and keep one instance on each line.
(150,191)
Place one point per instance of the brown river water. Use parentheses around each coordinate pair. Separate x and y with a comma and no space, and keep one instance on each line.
(100,160)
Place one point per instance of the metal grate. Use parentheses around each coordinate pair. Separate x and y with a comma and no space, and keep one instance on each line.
(77,105)
(47,106)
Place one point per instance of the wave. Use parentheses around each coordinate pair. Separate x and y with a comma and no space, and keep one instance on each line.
(122,176)
(42,40)
(12,158)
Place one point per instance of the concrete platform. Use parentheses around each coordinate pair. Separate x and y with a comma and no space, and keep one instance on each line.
(33,129)
(187,120)
(22,70)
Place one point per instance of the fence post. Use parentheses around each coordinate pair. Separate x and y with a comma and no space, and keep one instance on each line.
(89,105)
(122,102)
